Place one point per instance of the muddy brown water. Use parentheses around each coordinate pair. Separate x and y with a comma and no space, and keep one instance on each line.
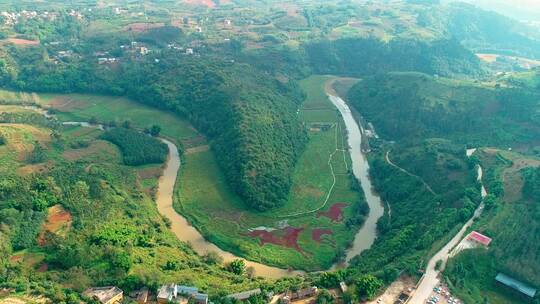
(187,233)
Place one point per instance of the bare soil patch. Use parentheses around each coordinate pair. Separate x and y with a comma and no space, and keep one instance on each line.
(318,233)
(139,27)
(207,3)
(392,293)
(58,222)
(22,42)
(35,168)
(148,173)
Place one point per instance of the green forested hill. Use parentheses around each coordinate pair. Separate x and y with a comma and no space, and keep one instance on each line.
(412,106)
(488,31)
(511,219)
(249,116)
(358,57)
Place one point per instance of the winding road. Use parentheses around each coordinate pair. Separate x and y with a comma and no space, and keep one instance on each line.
(431,277)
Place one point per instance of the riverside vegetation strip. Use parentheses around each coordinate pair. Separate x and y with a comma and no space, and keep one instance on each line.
(203,197)
(130,241)
(310,186)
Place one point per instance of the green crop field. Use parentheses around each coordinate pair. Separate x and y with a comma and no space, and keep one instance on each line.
(79,107)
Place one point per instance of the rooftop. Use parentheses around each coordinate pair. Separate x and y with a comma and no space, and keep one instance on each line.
(515,284)
(245,294)
(103,294)
(480,238)
(167,292)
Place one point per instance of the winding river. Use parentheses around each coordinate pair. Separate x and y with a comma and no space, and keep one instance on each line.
(367,234)
(187,233)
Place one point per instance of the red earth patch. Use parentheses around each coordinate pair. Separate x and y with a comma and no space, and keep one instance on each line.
(58,218)
(43,267)
(16,258)
(318,233)
(287,237)
(335,213)
(207,3)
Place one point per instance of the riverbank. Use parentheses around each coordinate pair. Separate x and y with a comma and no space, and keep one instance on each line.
(327,229)
(318,222)
(365,237)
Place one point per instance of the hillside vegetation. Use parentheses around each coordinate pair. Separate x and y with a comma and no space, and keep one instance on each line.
(417,221)
(137,148)
(358,57)
(413,106)
(249,117)
(76,217)
(514,228)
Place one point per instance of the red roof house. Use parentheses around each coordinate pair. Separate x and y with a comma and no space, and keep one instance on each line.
(479,238)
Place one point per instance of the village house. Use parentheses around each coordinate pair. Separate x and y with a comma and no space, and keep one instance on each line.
(143,50)
(242,296)
(107,60)
(140,296)
(298,295)
(167,293)
(189,51)
(479,238)
(105,295)
(180,294)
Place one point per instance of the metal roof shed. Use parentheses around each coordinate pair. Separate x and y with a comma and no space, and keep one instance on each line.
(516,285)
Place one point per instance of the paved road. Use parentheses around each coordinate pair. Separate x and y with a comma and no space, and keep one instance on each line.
(431,278)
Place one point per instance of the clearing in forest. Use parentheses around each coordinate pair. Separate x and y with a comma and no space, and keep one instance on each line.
(58,222)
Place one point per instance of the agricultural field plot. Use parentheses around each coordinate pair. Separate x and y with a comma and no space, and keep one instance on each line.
(78,107)
(315,225)
(511,177)
(20,141)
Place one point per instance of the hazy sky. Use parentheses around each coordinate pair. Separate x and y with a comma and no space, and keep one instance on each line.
(518,9)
